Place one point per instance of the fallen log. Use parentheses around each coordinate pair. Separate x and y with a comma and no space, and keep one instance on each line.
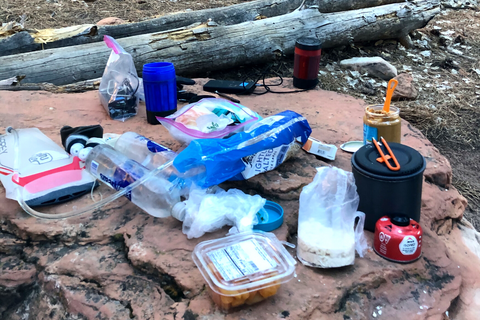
(27,41)
(10,82)
(206,47)
(329,6)
(76,87)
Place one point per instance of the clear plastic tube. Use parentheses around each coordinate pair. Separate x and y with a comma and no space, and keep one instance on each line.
(86,209)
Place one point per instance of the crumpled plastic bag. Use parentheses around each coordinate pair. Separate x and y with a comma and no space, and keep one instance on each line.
(210,209)
(327,236)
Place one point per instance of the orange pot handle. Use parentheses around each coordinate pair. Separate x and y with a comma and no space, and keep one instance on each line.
(386,158)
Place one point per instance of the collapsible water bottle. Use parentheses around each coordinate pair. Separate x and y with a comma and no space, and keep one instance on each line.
(160,88)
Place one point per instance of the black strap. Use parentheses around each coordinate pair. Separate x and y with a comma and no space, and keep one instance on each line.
(191,97)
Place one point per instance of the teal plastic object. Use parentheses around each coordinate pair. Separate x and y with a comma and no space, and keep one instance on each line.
(270,217)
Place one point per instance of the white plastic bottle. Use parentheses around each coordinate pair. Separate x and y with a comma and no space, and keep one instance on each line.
(148,153)
(156,196)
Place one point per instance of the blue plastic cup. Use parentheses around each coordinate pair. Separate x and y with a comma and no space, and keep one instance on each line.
(160,87)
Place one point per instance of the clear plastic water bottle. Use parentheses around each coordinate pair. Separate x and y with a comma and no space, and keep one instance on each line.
(157,196)
(152,155)
(148,153)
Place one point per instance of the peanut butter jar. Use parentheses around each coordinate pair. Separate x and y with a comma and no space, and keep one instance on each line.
(378,123)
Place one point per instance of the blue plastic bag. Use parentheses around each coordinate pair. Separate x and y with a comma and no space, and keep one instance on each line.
(262,148)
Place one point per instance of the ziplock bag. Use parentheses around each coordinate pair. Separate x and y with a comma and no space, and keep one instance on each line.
(119,85)
(208,118)
(47,175)
(327,237)
(263,147)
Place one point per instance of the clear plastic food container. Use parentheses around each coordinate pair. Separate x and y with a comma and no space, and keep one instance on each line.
(243,269)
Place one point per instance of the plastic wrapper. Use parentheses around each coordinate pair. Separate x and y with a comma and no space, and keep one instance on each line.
(327,236)
(243,269)
(120,84)
(208,118)
(263,147)
(207,210)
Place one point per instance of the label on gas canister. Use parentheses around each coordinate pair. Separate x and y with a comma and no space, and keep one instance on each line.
(384,239)
(409,245)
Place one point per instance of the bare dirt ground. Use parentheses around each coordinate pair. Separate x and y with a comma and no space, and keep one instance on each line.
(41,14)
(443,62)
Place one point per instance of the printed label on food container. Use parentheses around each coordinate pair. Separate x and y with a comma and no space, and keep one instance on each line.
(314,146)
(241,259)
(368,133)
(264,161)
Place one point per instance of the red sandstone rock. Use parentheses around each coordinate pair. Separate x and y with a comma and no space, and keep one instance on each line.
(405,88)
(90,273)
(14,272)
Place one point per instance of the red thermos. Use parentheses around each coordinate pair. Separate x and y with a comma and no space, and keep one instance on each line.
(398,239)
(307,63)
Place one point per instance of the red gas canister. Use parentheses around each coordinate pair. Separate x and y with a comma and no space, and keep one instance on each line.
(398,239)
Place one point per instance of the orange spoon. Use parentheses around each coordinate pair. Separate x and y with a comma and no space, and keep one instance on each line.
(392,84)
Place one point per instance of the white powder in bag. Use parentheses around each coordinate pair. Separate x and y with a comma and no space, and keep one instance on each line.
(320,246)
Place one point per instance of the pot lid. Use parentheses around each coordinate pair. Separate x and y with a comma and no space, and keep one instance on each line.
(410,160)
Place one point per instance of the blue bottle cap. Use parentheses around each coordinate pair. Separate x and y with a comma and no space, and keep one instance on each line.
(270,217)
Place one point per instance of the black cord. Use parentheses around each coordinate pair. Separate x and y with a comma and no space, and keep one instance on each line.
(268,87)
(138,83)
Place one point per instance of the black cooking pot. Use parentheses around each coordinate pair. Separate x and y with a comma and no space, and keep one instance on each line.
(383,191)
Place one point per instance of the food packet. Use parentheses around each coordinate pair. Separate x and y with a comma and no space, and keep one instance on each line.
(208,118)
(327,236)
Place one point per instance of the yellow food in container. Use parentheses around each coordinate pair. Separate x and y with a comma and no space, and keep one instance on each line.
(243,269)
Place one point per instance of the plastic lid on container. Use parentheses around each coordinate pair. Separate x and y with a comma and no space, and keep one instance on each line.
(351,146)
(270,217)
(308,43)
(410,160)
(178,211)
(158,71)
(246,261)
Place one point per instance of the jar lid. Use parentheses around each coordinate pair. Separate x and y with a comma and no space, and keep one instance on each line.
(270,217)
(410,160)
(308,43)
